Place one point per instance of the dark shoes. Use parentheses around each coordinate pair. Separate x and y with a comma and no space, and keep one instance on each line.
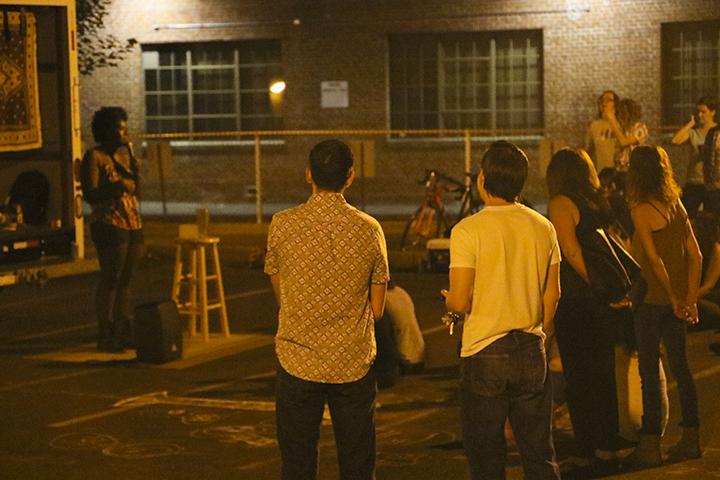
(647,454)
(110,346)
(411,368)
(687,448)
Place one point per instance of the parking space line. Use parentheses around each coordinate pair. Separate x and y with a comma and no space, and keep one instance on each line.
(434,329)
(51,333)
(162,398)
(250,293)
(708,372)
(54,378)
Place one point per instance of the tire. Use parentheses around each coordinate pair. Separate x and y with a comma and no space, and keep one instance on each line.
(413,237)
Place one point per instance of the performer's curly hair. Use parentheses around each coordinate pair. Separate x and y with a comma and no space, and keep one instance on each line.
(105,122)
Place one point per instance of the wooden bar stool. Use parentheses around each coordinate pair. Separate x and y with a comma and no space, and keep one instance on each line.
(191,271)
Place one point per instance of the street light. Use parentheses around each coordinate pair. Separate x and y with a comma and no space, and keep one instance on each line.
(278,87)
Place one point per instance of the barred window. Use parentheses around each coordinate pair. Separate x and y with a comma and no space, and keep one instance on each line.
(466,80)
(211,87)
(690,67)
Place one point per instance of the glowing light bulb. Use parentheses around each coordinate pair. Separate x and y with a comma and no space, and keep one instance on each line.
(278,87)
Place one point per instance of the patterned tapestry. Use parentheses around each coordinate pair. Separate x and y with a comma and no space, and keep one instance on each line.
(19,101)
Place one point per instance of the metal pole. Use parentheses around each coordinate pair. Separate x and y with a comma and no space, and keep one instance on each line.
(258,183)
(362,178)
(468,155)
(161,173)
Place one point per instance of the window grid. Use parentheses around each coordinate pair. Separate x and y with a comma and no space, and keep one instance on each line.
(217,102)
(470,92)
(691,67)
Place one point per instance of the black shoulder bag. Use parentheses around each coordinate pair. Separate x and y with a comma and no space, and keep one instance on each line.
(613,272)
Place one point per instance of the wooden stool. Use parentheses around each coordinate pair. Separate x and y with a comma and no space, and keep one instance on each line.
(192,250)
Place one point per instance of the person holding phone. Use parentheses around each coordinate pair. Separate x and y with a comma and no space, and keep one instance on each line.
(109,176)
(694,133)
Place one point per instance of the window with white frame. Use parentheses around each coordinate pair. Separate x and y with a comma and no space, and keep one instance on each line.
(690,67)
(483,80)
(211,87)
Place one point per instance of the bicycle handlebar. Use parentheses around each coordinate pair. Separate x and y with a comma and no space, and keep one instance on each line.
(442,176)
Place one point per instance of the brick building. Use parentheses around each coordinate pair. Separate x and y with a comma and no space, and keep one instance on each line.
(533,67)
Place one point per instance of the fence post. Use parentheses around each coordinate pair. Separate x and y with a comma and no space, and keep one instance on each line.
(468,155)
(258,183)
(161,176)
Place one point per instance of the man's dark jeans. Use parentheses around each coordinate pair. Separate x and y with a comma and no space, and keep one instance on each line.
(299,409)
(508,379)
(652,324)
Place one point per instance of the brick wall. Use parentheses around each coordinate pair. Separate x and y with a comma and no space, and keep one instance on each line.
(616,45)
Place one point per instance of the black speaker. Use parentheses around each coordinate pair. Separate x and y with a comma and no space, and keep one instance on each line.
(158,332)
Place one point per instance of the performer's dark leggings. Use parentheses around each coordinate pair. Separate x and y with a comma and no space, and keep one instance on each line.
(118,251)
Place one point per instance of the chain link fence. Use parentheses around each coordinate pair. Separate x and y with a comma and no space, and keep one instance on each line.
(251,175)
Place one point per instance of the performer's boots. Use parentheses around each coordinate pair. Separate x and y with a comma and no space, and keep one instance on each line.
(688,447)
(647,453)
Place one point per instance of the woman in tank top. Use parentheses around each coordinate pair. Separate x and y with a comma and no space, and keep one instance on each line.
(668,253)
(585,326)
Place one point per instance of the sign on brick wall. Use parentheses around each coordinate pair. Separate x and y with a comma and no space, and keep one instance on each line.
(334,94)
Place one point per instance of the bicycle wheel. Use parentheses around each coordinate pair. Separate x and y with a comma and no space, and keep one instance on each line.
(427,222)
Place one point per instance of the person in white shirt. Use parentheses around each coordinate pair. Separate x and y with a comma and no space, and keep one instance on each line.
(400,308)
(504,279)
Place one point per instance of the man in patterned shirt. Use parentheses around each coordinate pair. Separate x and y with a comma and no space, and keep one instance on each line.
(327,262)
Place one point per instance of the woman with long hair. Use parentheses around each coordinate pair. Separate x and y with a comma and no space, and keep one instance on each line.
(585,326)
(665,246)
(629,129)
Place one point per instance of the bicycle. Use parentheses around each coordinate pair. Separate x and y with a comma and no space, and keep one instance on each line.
(430,220)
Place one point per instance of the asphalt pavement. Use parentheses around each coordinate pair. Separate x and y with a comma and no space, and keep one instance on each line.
(215,419)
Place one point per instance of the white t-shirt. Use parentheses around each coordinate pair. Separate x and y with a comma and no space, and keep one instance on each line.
(511,249)
(695,165)
(410,342)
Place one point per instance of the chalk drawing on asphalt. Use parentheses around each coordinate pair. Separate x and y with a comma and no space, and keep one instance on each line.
(245,434)
(140,450)
(83,441)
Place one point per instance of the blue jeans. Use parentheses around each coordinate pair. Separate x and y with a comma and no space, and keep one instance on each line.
(508,379)
(654,323)
(299,408)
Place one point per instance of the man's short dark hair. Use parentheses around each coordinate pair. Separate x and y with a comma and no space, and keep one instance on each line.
(505,167)
(330,164)
(105,122)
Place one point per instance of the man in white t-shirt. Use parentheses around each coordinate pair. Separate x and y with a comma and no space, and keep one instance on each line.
(504,279)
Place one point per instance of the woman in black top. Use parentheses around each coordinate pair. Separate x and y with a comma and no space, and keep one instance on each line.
(585,326)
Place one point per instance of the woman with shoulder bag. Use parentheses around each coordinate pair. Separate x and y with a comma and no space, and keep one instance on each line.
(670,258)
(585,324)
